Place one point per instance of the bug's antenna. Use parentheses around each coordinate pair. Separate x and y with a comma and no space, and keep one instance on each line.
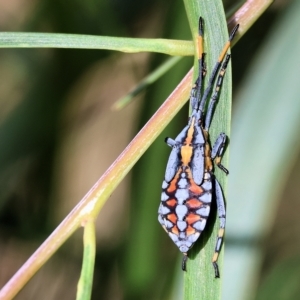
(196,91)
(200,30)
(216,69)
(233,32)
(200,54)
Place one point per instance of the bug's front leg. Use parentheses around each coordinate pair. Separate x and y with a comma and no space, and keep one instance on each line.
(218,150)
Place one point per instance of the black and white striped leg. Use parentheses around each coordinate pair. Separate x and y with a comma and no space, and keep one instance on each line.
(216,69)
(222,217)
(218,150)
(215,96)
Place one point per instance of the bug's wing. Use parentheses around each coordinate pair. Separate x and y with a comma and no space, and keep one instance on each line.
(197,161)
(182,135)
(174,158)
(197,164)
(172,164)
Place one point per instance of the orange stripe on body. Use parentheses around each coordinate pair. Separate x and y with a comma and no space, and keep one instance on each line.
(208,165)
(187,149)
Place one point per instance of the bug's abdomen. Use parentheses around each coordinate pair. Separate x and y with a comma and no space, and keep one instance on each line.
(185,207)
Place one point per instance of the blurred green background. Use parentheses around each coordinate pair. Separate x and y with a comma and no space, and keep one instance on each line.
(58,135)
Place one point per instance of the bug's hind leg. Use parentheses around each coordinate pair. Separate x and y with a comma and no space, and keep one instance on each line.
(218,150)
(222,217)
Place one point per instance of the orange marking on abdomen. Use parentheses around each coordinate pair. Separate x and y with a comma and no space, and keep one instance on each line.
(172,218)
(194,203)
(194,188)
(171,202)
(190,230)
(172,187)
(175,230)
(192,218)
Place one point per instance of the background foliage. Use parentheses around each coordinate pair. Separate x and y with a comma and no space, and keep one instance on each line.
(58,135)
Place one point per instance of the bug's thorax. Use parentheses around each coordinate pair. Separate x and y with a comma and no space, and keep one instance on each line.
(187,149)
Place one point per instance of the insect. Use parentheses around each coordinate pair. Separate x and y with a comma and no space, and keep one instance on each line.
(189,185)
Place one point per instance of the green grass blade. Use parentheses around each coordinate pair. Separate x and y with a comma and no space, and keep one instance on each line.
(199,278)
(85,283)
(129,45)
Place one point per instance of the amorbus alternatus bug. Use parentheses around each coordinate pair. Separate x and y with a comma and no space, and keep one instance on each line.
(189,185)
